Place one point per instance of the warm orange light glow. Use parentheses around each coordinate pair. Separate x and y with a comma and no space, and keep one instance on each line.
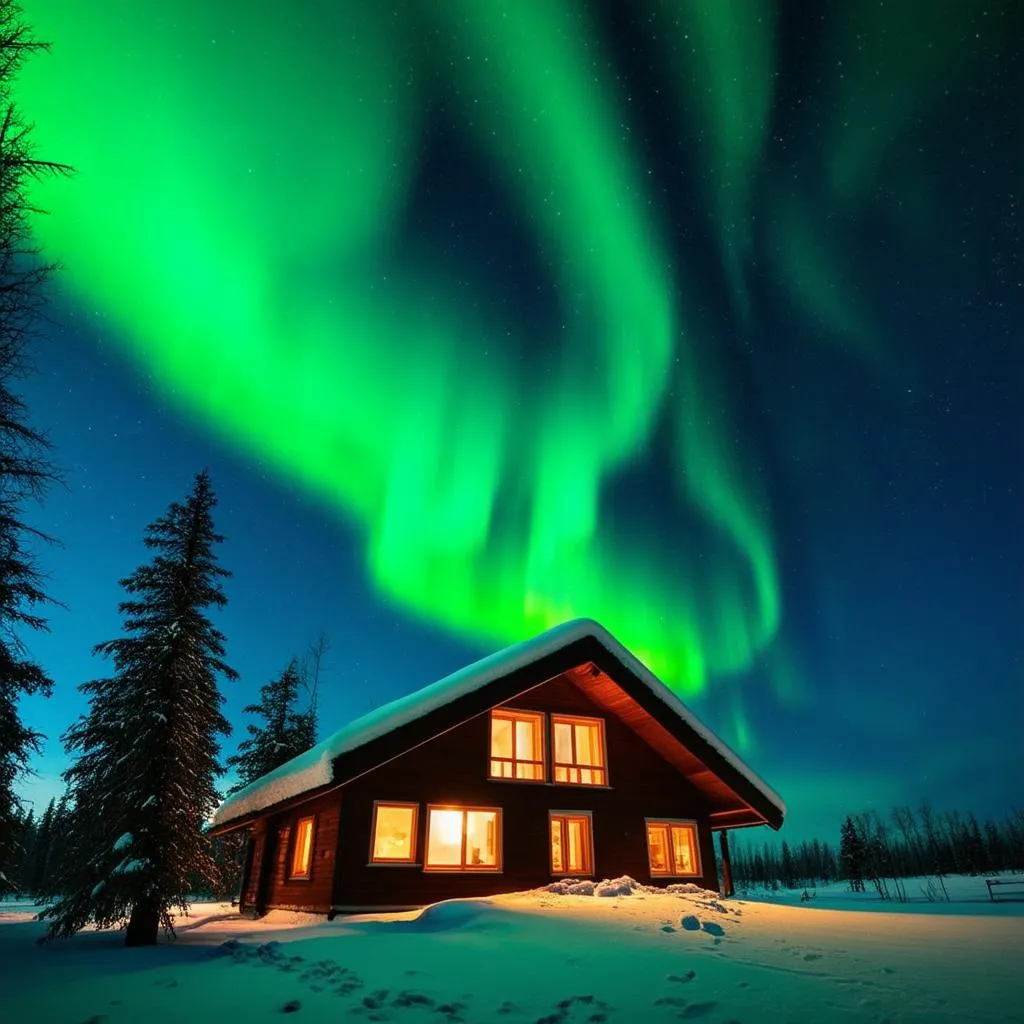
(517,745)
(302,849)
(672,848)
(463,839)
(394,833)
(572,845)
(579,754)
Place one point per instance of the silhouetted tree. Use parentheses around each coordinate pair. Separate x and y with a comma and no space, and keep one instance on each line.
(24,469)
(143,783)
(282,733)
(851,854)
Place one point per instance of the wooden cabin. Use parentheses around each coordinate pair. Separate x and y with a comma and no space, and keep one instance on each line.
(560,757)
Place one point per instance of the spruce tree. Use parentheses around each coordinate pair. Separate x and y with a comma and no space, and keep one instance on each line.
(147,750)
(24,470)
(40,857)
(852,854)
(25,839)
(282,733)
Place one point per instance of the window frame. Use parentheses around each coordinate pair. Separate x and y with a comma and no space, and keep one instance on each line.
(510,714)
(464,868)
(669,823)
(293,844)
(393,862)
(557,718)
(565,816)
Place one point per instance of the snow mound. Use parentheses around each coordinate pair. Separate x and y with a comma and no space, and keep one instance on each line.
(624,886)
(454,914)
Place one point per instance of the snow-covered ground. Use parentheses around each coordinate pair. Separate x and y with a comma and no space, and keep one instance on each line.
(543,958)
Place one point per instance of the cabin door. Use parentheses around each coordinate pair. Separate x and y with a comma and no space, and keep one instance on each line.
(252,877)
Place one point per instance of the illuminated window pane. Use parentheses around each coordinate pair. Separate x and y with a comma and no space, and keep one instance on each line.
(481,839)
(657,845)
(501,737)
(394,833)
(576,851)
(444,838)
(584,748)
(526,739)
(682,850)
(563,742)
(556,845)
(302,851)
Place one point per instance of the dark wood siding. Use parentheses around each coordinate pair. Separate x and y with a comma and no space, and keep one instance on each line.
(254,864)
(452,768)
(313,893)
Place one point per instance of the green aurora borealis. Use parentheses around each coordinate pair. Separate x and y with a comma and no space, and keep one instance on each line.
(240,220)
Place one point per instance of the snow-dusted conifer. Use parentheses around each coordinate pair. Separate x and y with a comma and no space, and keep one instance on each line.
(283,732)
(24,471)
(143,781)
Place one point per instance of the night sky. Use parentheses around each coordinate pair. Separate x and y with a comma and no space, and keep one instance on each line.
(702,319)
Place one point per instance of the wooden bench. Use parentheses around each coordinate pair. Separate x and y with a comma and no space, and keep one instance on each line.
(1018,882)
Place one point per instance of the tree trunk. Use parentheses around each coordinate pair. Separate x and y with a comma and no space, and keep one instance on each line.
(144,924)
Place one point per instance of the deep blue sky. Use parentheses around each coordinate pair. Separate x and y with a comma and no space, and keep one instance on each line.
(865,363)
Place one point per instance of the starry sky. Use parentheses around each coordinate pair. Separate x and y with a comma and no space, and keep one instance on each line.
(701,319)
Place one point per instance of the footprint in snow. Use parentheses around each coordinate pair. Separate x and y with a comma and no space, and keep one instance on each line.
(409,998)
(690,923)
(713,929)
(688,976)
(695,1010)
(668,928)
(577,1008)
(812,956)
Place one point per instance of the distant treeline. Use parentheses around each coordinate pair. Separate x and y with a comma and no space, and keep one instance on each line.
(42,853)
(878,851)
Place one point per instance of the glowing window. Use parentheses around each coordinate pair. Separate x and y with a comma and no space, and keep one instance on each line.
(579,755)
(572,845)
(394,833)
(302,849)
(672,848)
(463,839)
(517,745)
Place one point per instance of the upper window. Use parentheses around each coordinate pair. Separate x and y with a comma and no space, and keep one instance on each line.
(302,849)
(579,751)
(572,844)
(672,847)
(463,839)
(394,833)
(517,745)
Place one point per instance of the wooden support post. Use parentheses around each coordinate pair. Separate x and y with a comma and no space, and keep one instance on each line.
(723,842)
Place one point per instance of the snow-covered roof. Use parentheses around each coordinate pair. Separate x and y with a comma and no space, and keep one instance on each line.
(313,769)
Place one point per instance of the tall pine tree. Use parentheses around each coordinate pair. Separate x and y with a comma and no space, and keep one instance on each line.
(283,732)
(852,855)
(24,471)
(143,783)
